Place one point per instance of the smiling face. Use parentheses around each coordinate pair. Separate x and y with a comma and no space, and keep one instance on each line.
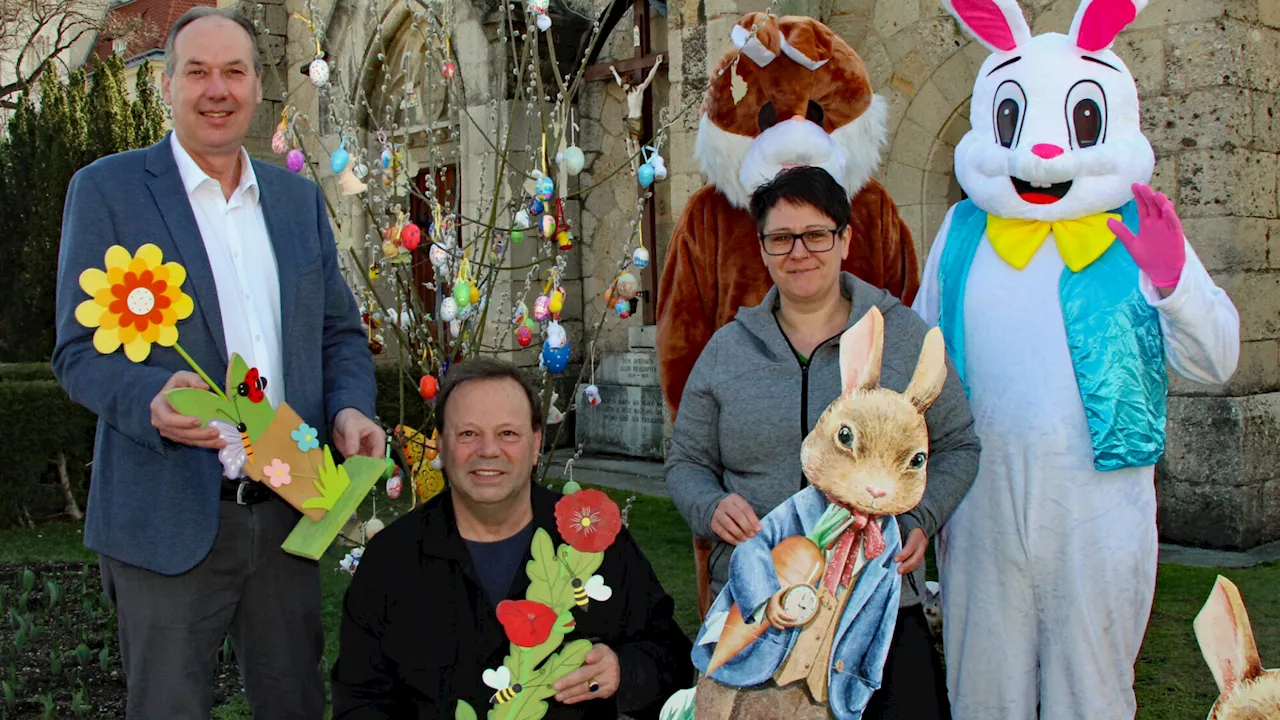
(488,443)
(801,274)
(214,90)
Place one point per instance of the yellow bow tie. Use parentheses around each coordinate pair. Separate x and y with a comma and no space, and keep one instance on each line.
(1080,241)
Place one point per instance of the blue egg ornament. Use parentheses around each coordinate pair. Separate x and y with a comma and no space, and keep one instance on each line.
(556,359)
(545,188)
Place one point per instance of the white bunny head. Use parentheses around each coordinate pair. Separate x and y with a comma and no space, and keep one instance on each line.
(1056,132)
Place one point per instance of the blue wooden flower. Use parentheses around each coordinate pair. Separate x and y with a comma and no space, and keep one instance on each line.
(307,437)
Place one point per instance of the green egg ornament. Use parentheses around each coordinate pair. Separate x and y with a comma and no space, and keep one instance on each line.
(462,293)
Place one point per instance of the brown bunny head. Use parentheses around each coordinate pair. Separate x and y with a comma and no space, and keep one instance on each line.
(870,448)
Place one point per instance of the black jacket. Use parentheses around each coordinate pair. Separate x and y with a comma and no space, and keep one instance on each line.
(418,630)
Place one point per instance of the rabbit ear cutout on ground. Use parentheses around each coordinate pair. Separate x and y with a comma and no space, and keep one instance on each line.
(860,351)
(931,372)
(998,24)
(1226,637)
(1098,22)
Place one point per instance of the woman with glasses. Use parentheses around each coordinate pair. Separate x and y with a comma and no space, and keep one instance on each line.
(764,379)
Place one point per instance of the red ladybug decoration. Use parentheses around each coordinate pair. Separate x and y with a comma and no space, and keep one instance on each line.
(253,386)
(428,387)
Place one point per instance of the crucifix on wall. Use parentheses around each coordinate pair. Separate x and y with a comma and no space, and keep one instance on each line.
(634,75)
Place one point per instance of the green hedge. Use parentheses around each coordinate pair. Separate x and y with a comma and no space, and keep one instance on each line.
(25,371)
(38,422)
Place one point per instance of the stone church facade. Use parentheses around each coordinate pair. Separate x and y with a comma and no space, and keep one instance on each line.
(1209,76)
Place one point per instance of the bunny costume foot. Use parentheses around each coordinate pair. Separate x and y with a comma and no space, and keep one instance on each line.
(1061,335)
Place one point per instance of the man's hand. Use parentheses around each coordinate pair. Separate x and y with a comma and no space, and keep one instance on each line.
(599,671)
(774,613)
(354,434)
(912,552)
(734,520)
(180,428)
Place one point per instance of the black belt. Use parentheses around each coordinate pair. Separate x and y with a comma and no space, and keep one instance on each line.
(245,492)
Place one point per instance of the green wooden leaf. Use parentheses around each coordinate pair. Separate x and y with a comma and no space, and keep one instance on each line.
(464,711)
(202,404)
(332,482)
(557,666)
(255,416)
(581,565)
(309,538)
(544,571)
(525,708)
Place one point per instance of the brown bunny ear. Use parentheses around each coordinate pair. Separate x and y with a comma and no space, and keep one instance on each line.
(860,349)
(931,372)
(1226,637)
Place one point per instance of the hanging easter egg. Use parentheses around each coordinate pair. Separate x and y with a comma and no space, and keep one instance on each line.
(318,72)
(455,328)
(462,293)
(544,22)
(645,175)
(517,237)
(448,309)
(574,160)
(394,486)
(556,302)
(438,255)
(410,236)
(545,188)
(523,222)
(279,143)
(428,386)
(593,395)
(623,308)
(524,336)
(555,359)
(386,158)
(338,161)
(542,308)
(475,295)
(548,226)
(448,69)
(627,286)
(640,258)
(564,240)
(295,160)
(536,207)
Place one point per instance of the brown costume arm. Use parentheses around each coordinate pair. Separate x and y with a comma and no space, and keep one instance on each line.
(882,253)
(686,301)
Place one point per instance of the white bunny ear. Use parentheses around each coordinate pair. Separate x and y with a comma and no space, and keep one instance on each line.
(1098,22)
(998,24)
(860,351)
(1226,637)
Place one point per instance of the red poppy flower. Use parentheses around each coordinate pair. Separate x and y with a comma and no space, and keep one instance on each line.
(588,520)
(528,623)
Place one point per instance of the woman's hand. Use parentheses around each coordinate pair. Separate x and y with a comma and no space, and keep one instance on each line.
(913,552)
(734,521)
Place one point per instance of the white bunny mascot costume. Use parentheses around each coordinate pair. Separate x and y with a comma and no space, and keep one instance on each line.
(1061,335)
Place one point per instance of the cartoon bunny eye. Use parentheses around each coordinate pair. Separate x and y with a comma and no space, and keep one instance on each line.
(767,117)
(1010,109)
(845,436)
(917,461)
(1086,111)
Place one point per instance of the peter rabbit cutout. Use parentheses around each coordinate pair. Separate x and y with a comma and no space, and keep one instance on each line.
(1061,336)
(805,620)
(1248,692)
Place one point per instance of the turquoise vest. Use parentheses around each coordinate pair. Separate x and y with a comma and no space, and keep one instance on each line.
(1117,348)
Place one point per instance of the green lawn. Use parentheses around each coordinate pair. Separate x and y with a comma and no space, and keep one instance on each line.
(1172,679)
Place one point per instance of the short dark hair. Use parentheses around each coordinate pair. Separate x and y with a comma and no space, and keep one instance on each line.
(204,11)
(483,368)
(804,185)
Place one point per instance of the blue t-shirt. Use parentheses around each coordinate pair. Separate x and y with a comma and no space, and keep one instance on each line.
(496,563)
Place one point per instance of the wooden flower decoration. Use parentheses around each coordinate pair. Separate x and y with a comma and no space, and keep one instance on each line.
(527,623)
(588,520)
(136,301)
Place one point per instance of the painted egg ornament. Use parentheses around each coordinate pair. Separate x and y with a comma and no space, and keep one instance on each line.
(564,240)
(640,258)
(295,160)
(372,527)
(394,486)
(448,69)
(536,207)
(544,22)
(548,226)
(448,309)
(555,359)
(524,336)
(410,236)
(338,161)
(475,295)
(462,293)
(279,143)
(517,237)
(455,328)
(542,308)
(645,175)
(556,303)
(627,286)
(318,72)
(623,308)
(386,158)
(428,386)
(574,159)
(438,255)
(593,395)
(545,188)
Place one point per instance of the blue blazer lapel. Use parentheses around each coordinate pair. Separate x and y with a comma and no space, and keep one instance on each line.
(171,197)
(282,228)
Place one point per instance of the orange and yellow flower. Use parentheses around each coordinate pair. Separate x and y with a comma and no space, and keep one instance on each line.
(136,301)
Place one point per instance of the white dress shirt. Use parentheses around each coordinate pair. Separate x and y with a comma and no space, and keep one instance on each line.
(243,264)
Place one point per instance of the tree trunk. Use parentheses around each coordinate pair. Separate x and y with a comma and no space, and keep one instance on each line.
(73,508)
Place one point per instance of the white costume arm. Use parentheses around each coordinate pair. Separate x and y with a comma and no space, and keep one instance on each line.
(1201,325)
(928,300)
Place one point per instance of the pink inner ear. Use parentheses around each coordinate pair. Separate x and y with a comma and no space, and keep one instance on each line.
(987,21)
(1102,22)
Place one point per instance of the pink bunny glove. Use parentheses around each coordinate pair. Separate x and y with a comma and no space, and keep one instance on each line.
(1158,249)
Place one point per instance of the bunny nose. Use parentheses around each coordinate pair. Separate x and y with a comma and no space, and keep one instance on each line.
(1046,151)
(876,492)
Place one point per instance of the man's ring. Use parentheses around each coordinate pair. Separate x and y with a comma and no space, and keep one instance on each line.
(593,686)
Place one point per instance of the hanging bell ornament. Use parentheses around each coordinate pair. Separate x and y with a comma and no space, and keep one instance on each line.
(574,160)
(564,240)
(448,69)
(593,395)
(524,336)
(428,386)
(295,160)
(545,188)
(640,258)
(627,286)
(448,310)
(318,71)
(462,293)
(410,236)
(279,143)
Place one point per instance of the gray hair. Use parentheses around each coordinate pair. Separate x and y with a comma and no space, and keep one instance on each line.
(203,11)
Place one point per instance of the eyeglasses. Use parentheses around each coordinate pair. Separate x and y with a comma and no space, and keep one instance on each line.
(815,241)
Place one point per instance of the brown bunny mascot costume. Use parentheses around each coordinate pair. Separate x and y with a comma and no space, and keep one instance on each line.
(792,94)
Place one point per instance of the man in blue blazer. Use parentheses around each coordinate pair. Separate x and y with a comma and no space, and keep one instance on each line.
(188,555)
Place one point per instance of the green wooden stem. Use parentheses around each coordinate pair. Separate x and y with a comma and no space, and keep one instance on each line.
(200,371)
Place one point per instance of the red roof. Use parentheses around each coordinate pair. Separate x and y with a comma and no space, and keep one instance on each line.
(157,16)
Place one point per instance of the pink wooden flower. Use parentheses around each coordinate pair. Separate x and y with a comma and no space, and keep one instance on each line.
(277,473)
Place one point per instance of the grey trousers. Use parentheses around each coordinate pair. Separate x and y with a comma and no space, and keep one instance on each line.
(172,626)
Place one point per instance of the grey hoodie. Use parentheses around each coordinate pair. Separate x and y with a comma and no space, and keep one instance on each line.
(749,404)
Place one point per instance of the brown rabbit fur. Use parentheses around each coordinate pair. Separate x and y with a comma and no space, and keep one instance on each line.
(1226,638)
